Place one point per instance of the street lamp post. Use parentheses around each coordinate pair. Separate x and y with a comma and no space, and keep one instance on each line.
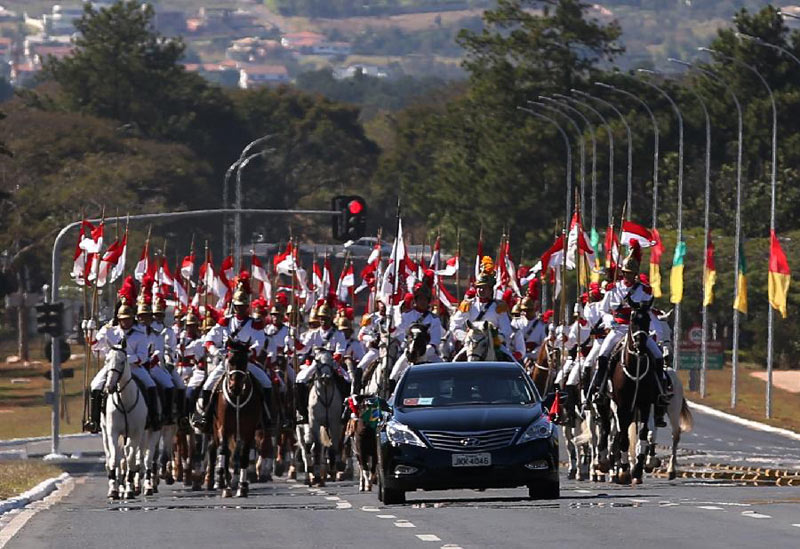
(679,236)
(581,149)
(773,184)
(569,154)
(591,127)
(655,142)
(630,150)
(237,226)
(607,126)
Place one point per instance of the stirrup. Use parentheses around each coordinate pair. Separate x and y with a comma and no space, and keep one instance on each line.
(91,427)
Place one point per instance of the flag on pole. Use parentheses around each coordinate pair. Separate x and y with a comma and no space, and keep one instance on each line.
(119,267)
(327,278)
(779,275)
(709,274)
(676,274)
(612,248)
(187,266)
(634,231)
(108,262)
(655,263)
(79,257)
(740,301)
(347,280)
(144,262)
(260,274)
(479,256)
(283,262)
(391,286)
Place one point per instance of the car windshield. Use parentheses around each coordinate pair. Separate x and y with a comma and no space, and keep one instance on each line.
(462,386)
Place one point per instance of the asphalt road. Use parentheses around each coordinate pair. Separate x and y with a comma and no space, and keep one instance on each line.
(660,513)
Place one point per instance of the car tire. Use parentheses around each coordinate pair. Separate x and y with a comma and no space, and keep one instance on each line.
(389,496)
(544,490)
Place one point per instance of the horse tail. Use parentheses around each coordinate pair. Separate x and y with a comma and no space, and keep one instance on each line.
(687,420)
(325,437)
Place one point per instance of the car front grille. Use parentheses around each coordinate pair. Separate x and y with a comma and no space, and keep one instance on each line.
(470,441)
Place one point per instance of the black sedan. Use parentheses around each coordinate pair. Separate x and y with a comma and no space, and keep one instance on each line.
(466,425)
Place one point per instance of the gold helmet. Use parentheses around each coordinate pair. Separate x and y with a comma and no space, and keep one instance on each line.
(486,277)
(241,295)
(528,303)
(144,305)
(343,323)
(160,305)
(208,321)
(516,310)
(324,311)
(312,316)
(125,309)
(633,259)
(191,318)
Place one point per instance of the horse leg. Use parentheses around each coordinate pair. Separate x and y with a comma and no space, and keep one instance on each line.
(676,438)
(211,460)
(223,463)
(641,444)
(622,444)
(572,452)
(651,462)
(244,463)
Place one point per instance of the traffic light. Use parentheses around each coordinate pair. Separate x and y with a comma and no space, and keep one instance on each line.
(351,223)
(49,319)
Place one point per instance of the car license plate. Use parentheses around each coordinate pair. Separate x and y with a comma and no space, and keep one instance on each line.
(472,460)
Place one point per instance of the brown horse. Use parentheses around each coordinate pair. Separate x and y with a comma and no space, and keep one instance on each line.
(238,413)
(362,431)
(634,393)
(544,368)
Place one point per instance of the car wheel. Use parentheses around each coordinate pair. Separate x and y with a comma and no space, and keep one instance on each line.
(380,487)
(389,496)
(544,490)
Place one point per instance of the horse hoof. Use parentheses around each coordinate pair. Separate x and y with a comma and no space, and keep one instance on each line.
(226,493)
(339,477)
(672,475)
(292,475)
(242,492)
(637,481)
(196,487)
(148,492)
(253,477)
(130,494)
(155,489)
(113,494)
(571,474)
(169,481)
(624,477)
(138,491)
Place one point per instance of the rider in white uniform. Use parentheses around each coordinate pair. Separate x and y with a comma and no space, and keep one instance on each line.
(191,353)
(529,327)
(370,335)
(241,328)
(419,314)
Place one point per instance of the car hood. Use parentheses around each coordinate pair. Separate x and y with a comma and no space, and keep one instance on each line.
(468,418)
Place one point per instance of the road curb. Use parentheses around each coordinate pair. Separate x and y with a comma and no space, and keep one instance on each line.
(28,440)
(38,492)
(743,421)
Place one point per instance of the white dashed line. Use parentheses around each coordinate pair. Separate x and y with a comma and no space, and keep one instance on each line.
(370,509)
(428,537)
(404,524)
(753,514)
(451,546)
(583,491)
(797,525)
(386,516)
(344,505)
(710,507)
(638,500)
(332,498)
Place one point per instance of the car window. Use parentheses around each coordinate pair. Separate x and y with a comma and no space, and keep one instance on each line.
(464,386)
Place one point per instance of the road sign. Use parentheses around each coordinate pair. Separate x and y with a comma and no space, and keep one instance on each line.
(696,335)
(691,356)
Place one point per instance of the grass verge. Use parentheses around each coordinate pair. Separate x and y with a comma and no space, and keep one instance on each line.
(17,476)
(751,397)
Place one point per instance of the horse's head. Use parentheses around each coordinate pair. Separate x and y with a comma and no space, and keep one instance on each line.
(116,366)
(640,325)
(417,340)
(480,341)
(236,363)
(323,365)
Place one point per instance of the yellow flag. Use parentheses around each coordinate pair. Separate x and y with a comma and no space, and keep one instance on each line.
(740,302)
(655,279)
(676,274)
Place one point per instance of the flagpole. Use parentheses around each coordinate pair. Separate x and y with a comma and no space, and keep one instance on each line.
(87,359)
(395,285)
(458,264)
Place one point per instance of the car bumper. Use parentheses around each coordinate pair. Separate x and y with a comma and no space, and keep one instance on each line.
(516,465)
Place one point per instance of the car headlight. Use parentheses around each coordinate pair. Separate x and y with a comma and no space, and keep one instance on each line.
(539,429)
(399,433)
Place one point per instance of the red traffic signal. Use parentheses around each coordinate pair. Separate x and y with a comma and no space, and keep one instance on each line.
(355,207)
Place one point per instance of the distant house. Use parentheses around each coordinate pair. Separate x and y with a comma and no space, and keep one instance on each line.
(40,53)
(7,16)
(350,71)
(253,49)
(298,41)
(254,76)
(33,42)
(215,72)
(332,48)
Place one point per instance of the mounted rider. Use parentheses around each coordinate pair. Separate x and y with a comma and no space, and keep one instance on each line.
(239,327)
(529,328)
(191,362)
(168,358)
(616,305)
(420,313)
(123,330)
(353,351)
(372,325)
(483,306)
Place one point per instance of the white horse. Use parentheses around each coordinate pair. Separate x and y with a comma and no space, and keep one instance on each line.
(146,459)
(680,420)
(123,423)
(480,343)
(323,434)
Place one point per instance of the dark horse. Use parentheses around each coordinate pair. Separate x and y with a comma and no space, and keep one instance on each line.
(238,413)
(634,392)
(544,368)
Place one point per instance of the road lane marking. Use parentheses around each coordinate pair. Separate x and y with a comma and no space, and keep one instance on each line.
(386,516)
(451,546)
(710,507)
(332,498)
(404,524)
(584,491)
(344,505)
(428,537)
(639,500)
(370,509)
(798,525)
(753,514)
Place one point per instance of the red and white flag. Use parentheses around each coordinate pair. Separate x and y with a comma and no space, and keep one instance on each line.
(92,246)
(260,273)
(391,284)
(119,267)
(479,256)
(227,272)
(327,278)
(554,256)
(612,248)
(447,299)
(577,242)
(346,281)
(143,265)
(187,266)
(634,231)
(450,267)
(78,272)
(180,290)
(284,262)
(165,278)
(108,262)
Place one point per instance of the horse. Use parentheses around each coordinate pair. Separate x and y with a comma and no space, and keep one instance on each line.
(544,367)
(322,433)
(373,381)
(417,351)
(680,421)
(237,415)
(123,424)
(635,391)
(362,431)
(481,344)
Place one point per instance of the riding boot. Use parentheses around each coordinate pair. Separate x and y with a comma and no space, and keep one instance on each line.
(95,404)
(573,400)
(658,415)
(200,418)
(356,374)
(599,377)
(664,382)
(153,419)
(167,411)
(301,402)
(266,398)
(180,406)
